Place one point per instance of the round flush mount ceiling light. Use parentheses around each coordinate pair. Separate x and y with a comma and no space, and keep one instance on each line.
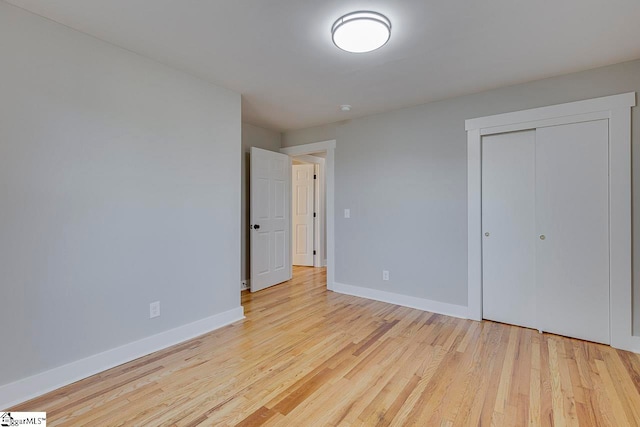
(362,31)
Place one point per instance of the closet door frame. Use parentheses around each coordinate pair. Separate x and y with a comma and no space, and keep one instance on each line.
(617,110)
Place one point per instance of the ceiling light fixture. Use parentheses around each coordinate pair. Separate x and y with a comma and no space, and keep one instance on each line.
(362,31)
(345,107)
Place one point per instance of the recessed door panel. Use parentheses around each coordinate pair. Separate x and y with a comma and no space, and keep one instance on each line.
(281,251)
(261,263)
(302,200)
(301,239)
(261,190)
(280,204)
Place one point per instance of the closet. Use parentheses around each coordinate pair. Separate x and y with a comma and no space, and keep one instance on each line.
(545,224)
(549,219)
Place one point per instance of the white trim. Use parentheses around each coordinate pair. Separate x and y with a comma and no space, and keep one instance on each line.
(474,225)
(617,109)
(307,158)
(620,276)
(329,148)
(319,235)
(315,147)
(423,304)
(39,384)
(569,109)
(555,121)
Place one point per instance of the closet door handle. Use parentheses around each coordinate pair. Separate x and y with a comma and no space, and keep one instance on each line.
(542,237)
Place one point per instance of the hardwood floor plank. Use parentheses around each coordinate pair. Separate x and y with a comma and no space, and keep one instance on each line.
(506,373)
(623,385)
(305,356)
(534,384)
(610,389)
(257,418)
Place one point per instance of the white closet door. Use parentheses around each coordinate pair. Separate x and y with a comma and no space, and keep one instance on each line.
(508,224)
(572,244)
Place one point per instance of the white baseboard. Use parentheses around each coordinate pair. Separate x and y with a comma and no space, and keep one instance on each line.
(36,385)
(438,307)
(628,343)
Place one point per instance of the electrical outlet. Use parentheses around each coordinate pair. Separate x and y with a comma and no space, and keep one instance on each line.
(385,274)
(154,309)
(244,285)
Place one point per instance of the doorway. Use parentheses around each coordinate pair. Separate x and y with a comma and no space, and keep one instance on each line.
(320,153)
(308,216)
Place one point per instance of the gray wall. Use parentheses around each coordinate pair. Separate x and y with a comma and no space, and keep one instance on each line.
(310,135)
(252,136)
(403,175)
(119,184)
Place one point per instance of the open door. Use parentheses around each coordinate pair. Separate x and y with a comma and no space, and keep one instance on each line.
(303,201)
(270,223)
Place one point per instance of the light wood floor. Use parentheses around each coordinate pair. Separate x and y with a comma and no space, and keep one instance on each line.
(308,357)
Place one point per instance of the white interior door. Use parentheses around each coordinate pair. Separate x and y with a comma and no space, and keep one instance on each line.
(303,214)
(270,218)
(572,211)
(508,224)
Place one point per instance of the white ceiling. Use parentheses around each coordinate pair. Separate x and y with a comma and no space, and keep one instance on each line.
(278,53)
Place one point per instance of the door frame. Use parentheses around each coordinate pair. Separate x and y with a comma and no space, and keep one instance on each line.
(615,108)
(329,148)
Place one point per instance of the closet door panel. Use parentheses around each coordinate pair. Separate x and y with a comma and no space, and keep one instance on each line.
(508,209)
(572,244)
